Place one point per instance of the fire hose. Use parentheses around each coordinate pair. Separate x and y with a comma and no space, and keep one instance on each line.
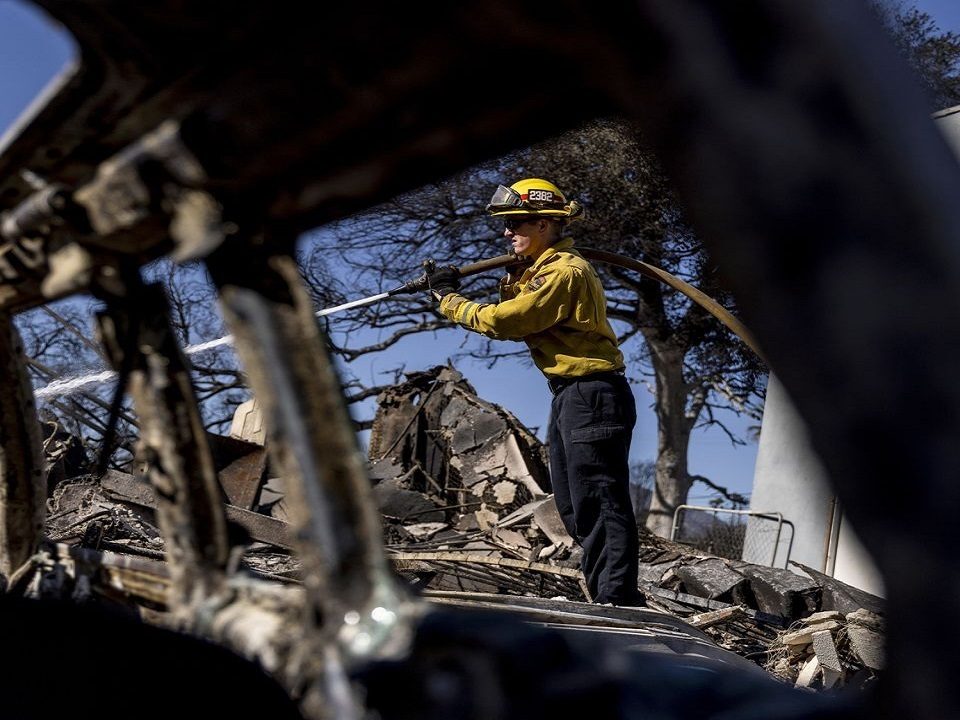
(67,386)
(610,258)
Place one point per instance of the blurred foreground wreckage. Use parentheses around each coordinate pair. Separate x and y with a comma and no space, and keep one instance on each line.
(459,483)
(829,196)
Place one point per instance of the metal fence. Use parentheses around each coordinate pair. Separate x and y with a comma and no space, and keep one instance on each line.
(764,538)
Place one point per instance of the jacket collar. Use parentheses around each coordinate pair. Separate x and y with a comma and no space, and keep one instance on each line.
(563,244)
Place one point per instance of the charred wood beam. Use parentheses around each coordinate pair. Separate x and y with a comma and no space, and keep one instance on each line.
(261,528)
(468,558)
(713,605)
(716,617)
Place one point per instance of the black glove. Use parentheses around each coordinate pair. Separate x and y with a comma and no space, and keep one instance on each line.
(443,281)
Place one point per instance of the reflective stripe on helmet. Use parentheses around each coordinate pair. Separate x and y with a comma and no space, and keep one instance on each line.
(540,198)
(532,196)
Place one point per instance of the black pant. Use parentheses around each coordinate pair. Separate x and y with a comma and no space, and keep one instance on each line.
(591,423)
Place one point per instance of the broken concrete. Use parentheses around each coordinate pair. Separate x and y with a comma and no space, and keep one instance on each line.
(837,595)
(804,636)
(248,423)
(781,592)
(827,650)
(807,674)
(713,578)
(826,653)
(868,646)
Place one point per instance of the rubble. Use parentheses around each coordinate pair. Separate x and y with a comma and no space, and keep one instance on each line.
(461,485)
(781,592)
(712,578)
(837,595)
(829,649)
(420,449)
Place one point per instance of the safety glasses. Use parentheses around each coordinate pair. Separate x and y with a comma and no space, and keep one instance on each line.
(512,224)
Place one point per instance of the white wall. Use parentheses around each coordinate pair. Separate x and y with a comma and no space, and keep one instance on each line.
(789,478)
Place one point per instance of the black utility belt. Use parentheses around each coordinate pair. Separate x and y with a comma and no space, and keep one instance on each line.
(557,384)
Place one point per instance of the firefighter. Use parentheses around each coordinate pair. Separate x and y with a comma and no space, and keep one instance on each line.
(557,307)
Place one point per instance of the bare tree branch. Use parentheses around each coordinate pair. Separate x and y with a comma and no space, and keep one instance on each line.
(732,497)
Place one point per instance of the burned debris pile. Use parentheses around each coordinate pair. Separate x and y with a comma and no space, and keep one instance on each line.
(463,491)
(746,608)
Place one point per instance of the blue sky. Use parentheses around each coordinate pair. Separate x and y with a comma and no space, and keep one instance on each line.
(32,52)
(945,12)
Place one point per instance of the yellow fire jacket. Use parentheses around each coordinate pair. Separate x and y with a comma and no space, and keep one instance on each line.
(558,308)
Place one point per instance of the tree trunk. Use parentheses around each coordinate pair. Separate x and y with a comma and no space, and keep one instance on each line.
(673,439)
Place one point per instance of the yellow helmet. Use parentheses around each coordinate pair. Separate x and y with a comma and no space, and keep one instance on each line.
(533,196)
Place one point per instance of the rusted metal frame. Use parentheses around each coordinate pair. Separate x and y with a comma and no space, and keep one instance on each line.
(354,594)
(136,332)
(519,581)
(22,485)
(510,550)
(242,477)
(140,203)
